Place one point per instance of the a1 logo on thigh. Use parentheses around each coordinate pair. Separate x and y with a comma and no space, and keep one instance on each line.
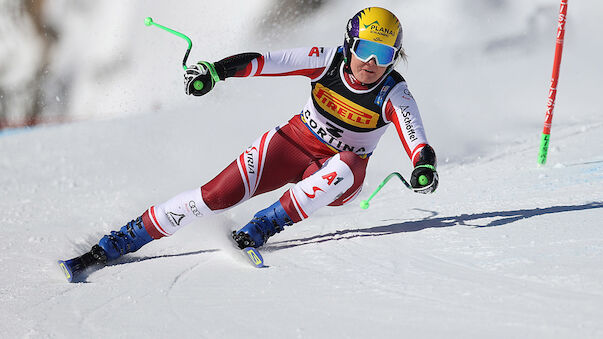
(330,177)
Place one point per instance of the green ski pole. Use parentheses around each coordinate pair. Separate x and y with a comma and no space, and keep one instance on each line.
(364,204)
(149,22)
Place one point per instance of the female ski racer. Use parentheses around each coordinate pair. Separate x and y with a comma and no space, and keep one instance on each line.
(323,151)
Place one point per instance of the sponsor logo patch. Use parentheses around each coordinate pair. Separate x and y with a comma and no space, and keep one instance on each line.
(194,208)
(250,160)
(175,218)
(324,135)
(313,195)
(344,109)
(412,135)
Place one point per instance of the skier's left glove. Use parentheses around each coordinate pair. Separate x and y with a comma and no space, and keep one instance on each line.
(200,78)
(424,179)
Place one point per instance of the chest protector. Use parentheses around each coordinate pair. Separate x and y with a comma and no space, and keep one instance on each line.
(344,118)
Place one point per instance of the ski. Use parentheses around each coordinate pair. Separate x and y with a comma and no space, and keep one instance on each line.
(243,243)
(73,268)
(254,256)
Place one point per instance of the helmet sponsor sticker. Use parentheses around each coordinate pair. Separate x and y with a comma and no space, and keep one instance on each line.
(376,24)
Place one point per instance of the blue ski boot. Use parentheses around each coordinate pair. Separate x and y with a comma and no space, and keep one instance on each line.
(129,238)
(264,224)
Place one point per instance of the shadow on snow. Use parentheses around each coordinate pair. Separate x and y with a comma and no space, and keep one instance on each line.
(82,276)
(501,218)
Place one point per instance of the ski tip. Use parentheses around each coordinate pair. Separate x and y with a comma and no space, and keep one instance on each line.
(254,256)
(66,270)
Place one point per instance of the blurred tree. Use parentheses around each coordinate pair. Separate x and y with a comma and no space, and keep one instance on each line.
(282,14)
(48,37)
(24,32)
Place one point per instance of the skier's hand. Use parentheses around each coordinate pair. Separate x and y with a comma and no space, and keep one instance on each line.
(424,179)
(200,78)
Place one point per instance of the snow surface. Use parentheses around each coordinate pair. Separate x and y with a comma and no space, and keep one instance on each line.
(502,249)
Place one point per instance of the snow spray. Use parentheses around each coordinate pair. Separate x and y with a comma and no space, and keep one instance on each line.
(546,133)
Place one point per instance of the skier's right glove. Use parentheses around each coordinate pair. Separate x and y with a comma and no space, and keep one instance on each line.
(200,78)
(424,179)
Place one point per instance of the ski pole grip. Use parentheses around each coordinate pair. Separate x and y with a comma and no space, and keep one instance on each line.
(423,181)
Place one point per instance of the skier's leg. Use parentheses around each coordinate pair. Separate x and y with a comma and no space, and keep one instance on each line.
(235,184)
(337,182)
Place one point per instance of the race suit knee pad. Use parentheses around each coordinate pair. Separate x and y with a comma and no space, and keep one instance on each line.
(320,189)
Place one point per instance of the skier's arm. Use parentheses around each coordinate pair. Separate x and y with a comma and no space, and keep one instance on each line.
(310,62)
(401,109)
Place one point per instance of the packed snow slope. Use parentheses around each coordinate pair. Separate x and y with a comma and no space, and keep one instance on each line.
(502,249)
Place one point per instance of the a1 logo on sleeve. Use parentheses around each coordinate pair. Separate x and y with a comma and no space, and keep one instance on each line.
(316,51)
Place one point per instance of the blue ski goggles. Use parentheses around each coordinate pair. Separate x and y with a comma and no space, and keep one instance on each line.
(365,50)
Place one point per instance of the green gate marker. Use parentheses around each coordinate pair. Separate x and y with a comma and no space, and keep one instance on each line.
(546,131)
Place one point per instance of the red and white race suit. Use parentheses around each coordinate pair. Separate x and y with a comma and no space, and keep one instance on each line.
(323,150)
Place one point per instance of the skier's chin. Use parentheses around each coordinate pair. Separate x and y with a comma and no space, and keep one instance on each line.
(367,76)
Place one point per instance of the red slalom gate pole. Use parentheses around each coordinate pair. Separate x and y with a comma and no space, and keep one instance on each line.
(546,132)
